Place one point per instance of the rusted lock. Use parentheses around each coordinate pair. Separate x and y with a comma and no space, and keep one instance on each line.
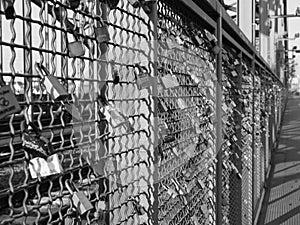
(8,102)
(79,199)
(9,9)
(36,145)
(51,84)
(102,34)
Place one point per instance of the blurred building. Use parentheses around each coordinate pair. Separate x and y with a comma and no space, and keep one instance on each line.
(254,17)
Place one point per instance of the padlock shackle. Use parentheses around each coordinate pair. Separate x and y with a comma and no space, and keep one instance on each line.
(2,82)
(40,68)
(68,186)
(141,69)
(71,186)
(24,128)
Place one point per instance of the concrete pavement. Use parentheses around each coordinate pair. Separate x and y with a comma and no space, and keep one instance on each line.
(282,200)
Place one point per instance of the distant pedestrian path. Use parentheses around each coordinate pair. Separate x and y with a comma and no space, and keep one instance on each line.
(282,201)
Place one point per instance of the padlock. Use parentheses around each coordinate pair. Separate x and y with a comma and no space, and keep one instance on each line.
(195,220)
(74,3)
(175,152)
(161,105)
(116,77)
(39,167)
(142,77)
(135,3)
(181,104)
(215,49)
(171,42)
(236,62)
(140,210)
(169,81)
(147,5)
(210,37)
(102,34)
(116,118)
(8,101)
(37,145)
(199,41)
(181,191)
(195,79)
(79,199)
(112,4)
(73,110)
(76,47)
(234,73)
(101,206)
(51,83)
(170,191)
(9,9)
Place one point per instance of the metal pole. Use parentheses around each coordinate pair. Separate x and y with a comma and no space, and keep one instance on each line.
(239,142)
(154,18)
(283,16)
(219,137)
(253,137)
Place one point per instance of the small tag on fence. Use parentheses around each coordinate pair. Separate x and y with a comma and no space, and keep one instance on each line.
(8,102)
(39,167)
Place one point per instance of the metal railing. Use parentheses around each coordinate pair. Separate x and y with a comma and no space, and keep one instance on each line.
(151,113)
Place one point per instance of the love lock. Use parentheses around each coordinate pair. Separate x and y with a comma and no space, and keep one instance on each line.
(8,101)
(135,3)
(37,146)
(51,83)
(40,167)
(112,4)
(102,34)
(76,48)
(9,10)
(143,78)
(74,4)
(79,199)
(145,4)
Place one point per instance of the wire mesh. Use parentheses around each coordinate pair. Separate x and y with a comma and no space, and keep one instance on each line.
(117,119)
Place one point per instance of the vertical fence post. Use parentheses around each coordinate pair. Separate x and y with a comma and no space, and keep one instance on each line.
(239,142)
(219,137)
(154,19)
(253,138)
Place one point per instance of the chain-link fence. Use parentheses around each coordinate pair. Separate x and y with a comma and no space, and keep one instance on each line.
(130,112)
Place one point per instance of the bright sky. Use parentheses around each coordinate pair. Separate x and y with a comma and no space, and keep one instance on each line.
(294,27)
